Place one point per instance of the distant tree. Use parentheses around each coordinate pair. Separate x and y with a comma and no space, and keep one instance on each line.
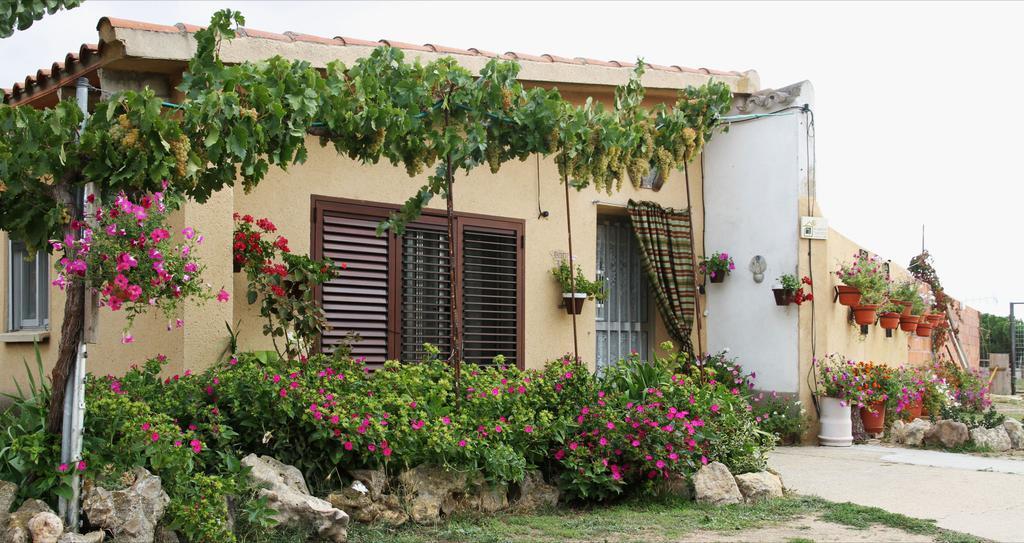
(995,333)
(20,14)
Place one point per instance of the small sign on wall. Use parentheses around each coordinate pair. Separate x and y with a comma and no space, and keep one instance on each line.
(814,227)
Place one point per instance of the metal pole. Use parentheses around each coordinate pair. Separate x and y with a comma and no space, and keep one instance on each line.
(74,397)
(1013,352)
(572,267)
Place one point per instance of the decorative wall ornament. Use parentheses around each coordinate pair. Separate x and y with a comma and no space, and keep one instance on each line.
(758,265)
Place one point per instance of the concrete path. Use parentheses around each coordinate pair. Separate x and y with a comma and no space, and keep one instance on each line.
(977,495)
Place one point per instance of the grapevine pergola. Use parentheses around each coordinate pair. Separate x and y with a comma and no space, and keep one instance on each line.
(236,121)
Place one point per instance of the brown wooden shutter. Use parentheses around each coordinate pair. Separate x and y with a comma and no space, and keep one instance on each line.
(357,300)
(426,292)
(491,292)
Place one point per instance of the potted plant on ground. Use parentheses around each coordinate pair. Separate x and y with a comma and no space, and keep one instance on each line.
(905,388)
(873,381)
(889,315)
(838,390)
(862,276)
(584,288)
(717,266)
(790,290)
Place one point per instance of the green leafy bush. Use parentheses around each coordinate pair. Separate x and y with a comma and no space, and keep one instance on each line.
(781,415)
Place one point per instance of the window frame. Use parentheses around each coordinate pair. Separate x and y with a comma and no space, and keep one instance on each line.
(15,320)
(432,219)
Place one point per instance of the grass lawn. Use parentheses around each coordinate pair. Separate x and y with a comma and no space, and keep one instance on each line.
(661,521)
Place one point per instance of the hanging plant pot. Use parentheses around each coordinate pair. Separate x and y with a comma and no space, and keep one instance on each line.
(836,426)
(935,319)
(873,416)
(865,314)
(924,329)
(782,296)
(236,265)
(848,295)
(889,320)
(574,302)
(908,323)
(716,277)
(906,308)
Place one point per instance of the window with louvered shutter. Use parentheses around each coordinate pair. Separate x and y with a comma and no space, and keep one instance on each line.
(357,301)
(490,295)
(426,292)
(395,291)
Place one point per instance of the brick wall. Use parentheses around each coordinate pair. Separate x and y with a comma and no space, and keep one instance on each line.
(969,326)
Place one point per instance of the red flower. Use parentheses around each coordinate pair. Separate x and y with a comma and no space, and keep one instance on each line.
(282,244)
(277,290)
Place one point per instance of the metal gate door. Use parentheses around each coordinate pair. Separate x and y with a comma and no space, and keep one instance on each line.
(623,319)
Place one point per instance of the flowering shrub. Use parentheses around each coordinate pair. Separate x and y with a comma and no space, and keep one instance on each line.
(967,389)
(905,388)
(718,264)
(284,282)
(133,261)
(867,275)
(780,414)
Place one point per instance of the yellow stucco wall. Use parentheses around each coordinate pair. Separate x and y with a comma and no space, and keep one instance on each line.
(285,198)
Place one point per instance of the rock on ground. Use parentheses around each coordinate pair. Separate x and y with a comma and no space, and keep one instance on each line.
(996,439)
(375,480)
(283,486)
(947,433)
(897,431)
(45,527)
(1014,429)
(913,433)
(759,486)
(130,514)
(91,537)
(8,491)
(534,493)
(714,484)
(16,529)
(426,489)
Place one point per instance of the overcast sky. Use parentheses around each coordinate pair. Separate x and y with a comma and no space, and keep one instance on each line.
(915,116)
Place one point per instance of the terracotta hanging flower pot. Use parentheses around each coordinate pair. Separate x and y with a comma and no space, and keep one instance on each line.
(935,319)
(873,416)
(924,329)
(574,302)
(716,277)
(848,295)
(889,321)
(908,323)
(865,314)
(782,296)
(906,307)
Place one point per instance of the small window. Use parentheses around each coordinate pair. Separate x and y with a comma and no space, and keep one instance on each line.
(29,289)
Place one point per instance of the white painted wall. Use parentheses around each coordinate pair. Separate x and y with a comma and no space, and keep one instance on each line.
(753,178)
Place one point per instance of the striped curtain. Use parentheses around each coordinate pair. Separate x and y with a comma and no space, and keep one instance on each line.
(667,258)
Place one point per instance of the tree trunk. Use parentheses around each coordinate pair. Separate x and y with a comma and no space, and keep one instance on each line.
(70,333)
(73,320)
(456,321)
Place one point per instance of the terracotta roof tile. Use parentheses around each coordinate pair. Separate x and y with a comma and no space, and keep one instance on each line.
(73,61)
(357,41)
(483,53)
(524,56)
(313,39)
(444,49)
(403,45)
(256,33)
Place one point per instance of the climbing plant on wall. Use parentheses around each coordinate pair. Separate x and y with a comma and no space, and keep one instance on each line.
(20,14)
(236,121)
(922,269)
